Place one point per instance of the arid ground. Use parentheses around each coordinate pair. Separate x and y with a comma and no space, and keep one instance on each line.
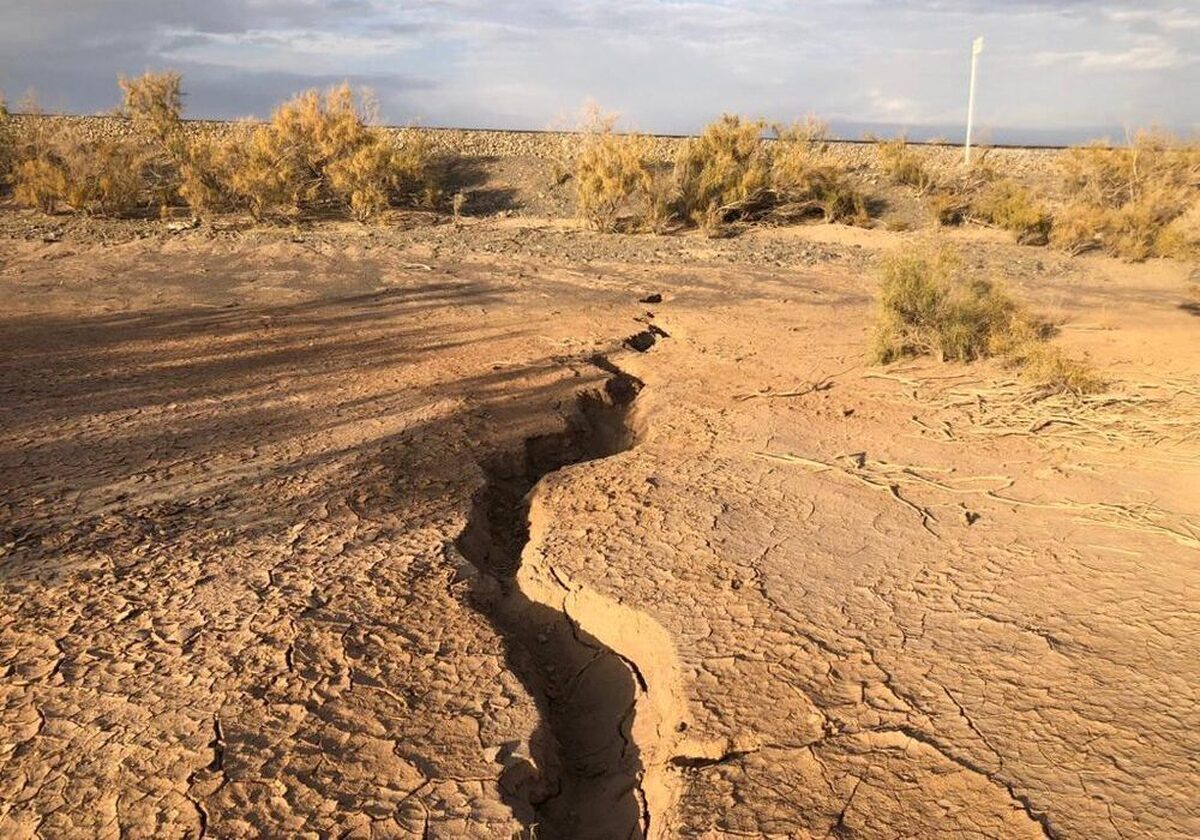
(506,528)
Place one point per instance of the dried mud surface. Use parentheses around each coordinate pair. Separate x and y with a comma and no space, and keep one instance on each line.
(509,529)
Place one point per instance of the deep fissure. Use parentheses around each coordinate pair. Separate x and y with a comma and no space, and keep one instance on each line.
(583,778)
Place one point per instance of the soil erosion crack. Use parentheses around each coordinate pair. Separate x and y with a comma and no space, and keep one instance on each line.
(587,774)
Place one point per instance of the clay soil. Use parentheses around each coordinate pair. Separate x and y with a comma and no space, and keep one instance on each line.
(508,529)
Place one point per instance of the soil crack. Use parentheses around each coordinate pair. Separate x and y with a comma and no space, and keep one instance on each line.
(587,775)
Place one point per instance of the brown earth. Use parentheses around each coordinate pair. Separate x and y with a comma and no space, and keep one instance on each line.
(433,530)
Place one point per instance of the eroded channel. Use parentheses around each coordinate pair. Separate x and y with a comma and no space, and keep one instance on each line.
(586,776)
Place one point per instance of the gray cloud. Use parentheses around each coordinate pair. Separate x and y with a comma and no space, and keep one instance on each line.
(668,65)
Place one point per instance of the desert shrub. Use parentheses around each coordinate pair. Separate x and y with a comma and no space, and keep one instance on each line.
(318,150)
(55,164)
(904,166)
(39,183)
(616,185)
(950,208)
(804,175)
(727,163)
(1009,205)
(1126,200)
(206,169)
(712,223)
(365,179)
(929,303)
(1180,238)
(7,145)
(103,177)
(153,102)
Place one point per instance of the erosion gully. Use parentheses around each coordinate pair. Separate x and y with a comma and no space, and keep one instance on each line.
(587,775)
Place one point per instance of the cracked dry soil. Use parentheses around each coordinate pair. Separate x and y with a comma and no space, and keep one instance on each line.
(451,533)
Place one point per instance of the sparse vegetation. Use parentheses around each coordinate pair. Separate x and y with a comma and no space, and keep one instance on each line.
(805,177)
(904,166)
(1007,204)
(930,303)
(1135,201)
(982,195)
(726,175)
(318,152)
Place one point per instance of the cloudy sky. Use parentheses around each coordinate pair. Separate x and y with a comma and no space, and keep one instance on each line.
(1052,69)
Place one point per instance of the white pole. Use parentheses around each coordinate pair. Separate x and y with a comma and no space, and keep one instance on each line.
(976,49)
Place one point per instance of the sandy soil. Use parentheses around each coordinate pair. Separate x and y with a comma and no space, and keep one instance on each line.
(461,531)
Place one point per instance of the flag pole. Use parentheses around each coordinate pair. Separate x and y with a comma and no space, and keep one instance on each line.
(976,49)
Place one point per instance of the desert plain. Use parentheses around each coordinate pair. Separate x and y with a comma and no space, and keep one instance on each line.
(496,526)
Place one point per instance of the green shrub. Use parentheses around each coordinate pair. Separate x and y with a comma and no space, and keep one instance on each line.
(929,303)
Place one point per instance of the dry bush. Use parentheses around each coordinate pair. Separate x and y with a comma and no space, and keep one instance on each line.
(616,185)
(153,102)
(39,183)
(55,165)
(7,144)
(727,163)
(950,208)
(903,165)
(1127,200)
(804,175)
(98,177)
(1051,371)
(206,171)
(930,303)
(1009,205)
(979,193)
(1180,238)
(103,177)
(318,151)
(711,222)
